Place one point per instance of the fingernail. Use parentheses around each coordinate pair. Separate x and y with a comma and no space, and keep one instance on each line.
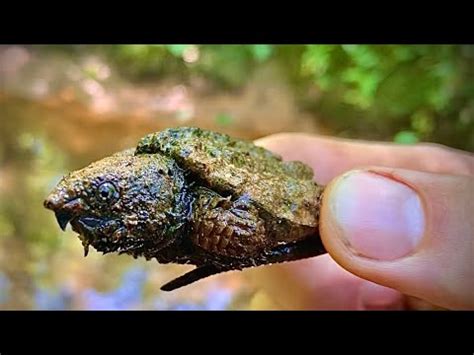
(380,218)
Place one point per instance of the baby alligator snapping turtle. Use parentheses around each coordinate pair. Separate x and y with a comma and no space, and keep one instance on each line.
(191,196)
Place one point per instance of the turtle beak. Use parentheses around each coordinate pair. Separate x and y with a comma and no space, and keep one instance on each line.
(64,212)
(63,219)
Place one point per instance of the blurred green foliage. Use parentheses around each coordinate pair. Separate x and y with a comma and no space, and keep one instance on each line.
(224,119)
(363,91)
(228,65)
(411,88)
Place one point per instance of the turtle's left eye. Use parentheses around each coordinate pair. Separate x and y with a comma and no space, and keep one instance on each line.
(107,192)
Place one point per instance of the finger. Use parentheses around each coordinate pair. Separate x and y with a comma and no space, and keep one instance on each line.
(330,157)
(373,296)
(408,230)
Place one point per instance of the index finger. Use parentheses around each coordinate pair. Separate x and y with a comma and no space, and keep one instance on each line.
(330,157)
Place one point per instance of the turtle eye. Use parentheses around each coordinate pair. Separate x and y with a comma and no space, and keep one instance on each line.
(107,192)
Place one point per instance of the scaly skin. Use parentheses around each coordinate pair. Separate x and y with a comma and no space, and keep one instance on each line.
(194,197)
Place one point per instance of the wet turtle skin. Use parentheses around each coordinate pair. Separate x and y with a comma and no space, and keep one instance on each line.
(191,196)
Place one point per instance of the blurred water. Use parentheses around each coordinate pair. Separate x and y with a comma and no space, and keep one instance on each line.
(47,299)
(128,295)
(42,266)
(216,299)
(4,288)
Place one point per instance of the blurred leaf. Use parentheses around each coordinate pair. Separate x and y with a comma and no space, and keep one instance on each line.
(228,65)
(135,49)
(6,226)
(177,49)
(224,119)
(316,60)
(422,123)
(406,137)
(363,56)
(262,52)
(366,90)
(403,53)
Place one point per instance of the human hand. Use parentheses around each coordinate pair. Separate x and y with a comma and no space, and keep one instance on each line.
(398,217)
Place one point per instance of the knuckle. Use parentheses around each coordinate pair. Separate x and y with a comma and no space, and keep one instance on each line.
(447,159)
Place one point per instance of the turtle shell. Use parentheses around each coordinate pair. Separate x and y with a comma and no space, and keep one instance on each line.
(234,167)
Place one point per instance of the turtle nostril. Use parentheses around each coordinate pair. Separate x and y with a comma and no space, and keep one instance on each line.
(52,203)
(67,212)
(64,210)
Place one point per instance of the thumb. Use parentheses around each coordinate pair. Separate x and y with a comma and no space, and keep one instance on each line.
(407,230)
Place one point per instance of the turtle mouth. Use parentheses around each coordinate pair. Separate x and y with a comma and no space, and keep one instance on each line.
(105,235)
(63,218)
(66,212)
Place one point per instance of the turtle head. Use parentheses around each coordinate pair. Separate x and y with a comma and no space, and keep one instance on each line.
(125,203)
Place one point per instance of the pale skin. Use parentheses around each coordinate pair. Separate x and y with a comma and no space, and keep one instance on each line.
(437,273)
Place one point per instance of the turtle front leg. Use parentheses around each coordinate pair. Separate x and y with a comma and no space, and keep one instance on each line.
(226,227)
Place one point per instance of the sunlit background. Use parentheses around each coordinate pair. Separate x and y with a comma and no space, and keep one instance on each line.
(63,106)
